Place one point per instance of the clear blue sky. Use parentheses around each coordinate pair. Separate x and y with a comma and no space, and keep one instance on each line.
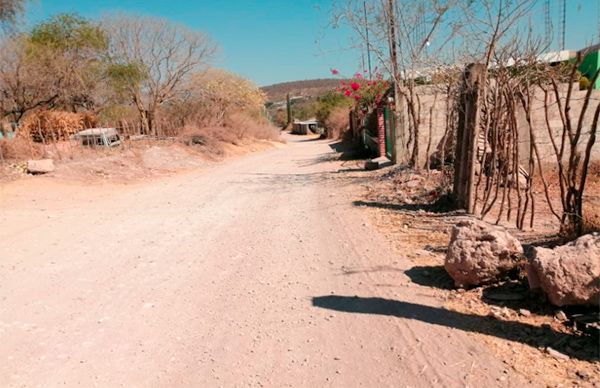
(273,41)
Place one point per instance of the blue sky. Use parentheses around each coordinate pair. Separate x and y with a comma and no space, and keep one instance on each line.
(273,41)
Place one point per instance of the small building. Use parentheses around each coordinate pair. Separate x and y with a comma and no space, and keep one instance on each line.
(305,127)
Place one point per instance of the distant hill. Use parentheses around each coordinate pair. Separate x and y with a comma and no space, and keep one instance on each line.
(311,87)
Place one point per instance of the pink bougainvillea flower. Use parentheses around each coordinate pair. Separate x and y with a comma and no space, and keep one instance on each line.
(358,76)
(355,86)
(335,72)
(348,93)
(357,97)
(343,83)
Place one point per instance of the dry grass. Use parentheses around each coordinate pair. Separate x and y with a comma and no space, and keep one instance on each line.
(207,137)
(21,148)
(237,130)
(46,126)
(337,123)
(245,126)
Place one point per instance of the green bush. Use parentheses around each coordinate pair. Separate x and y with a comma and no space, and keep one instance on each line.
(584,83)
(328,102)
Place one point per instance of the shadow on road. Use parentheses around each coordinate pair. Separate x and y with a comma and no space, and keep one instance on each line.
(431,276)
(577,346)
(348,151)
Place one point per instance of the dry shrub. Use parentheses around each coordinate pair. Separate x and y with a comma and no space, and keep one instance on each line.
(337,123)
(207,137)
(591,217)
(594,170)
(46,125)
(235,129)
(20,148)
(244,126)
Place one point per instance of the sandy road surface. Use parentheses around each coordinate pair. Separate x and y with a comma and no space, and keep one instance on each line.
(255,272)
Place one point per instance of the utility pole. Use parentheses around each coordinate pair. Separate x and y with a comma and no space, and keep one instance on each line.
(563,22)
(399,154)
(289,109)
(367,38)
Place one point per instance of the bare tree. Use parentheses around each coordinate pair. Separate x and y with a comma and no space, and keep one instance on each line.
(574,145)
(212,96)
(26,83)
(9,12)
(401,38)
(151,59)
(58,64)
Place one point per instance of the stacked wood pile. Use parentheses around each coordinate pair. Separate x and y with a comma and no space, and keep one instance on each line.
(48,126)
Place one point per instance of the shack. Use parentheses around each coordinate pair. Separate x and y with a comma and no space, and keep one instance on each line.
(305,127)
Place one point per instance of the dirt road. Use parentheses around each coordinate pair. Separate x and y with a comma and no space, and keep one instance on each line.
(255,272)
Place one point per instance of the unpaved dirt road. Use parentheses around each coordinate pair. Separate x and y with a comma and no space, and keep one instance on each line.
(255,272)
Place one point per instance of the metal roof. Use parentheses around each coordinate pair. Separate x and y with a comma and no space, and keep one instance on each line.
(306,122)
(98,131)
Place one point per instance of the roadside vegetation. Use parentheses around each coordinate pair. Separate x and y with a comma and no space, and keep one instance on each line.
(147,77)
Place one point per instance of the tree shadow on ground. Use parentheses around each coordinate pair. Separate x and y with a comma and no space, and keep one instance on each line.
(581,347)
(435,209)
(310,140)
(542,240)
(516,295)
(431,276)
(379,268)
(349,151)
(513,294)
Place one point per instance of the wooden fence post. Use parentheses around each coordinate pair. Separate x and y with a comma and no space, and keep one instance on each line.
(466,137)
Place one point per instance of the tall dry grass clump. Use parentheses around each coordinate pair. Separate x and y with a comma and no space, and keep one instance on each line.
(20,148)
(337,123)
(236,129)
(244,125)
(50,126)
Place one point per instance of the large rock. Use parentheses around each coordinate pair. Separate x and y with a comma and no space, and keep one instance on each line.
(568,274)
(480,253)
(41,166)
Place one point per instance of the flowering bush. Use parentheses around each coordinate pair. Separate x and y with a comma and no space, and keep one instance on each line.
(366,93)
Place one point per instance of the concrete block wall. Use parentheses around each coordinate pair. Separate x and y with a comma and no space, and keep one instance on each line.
(429,99)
